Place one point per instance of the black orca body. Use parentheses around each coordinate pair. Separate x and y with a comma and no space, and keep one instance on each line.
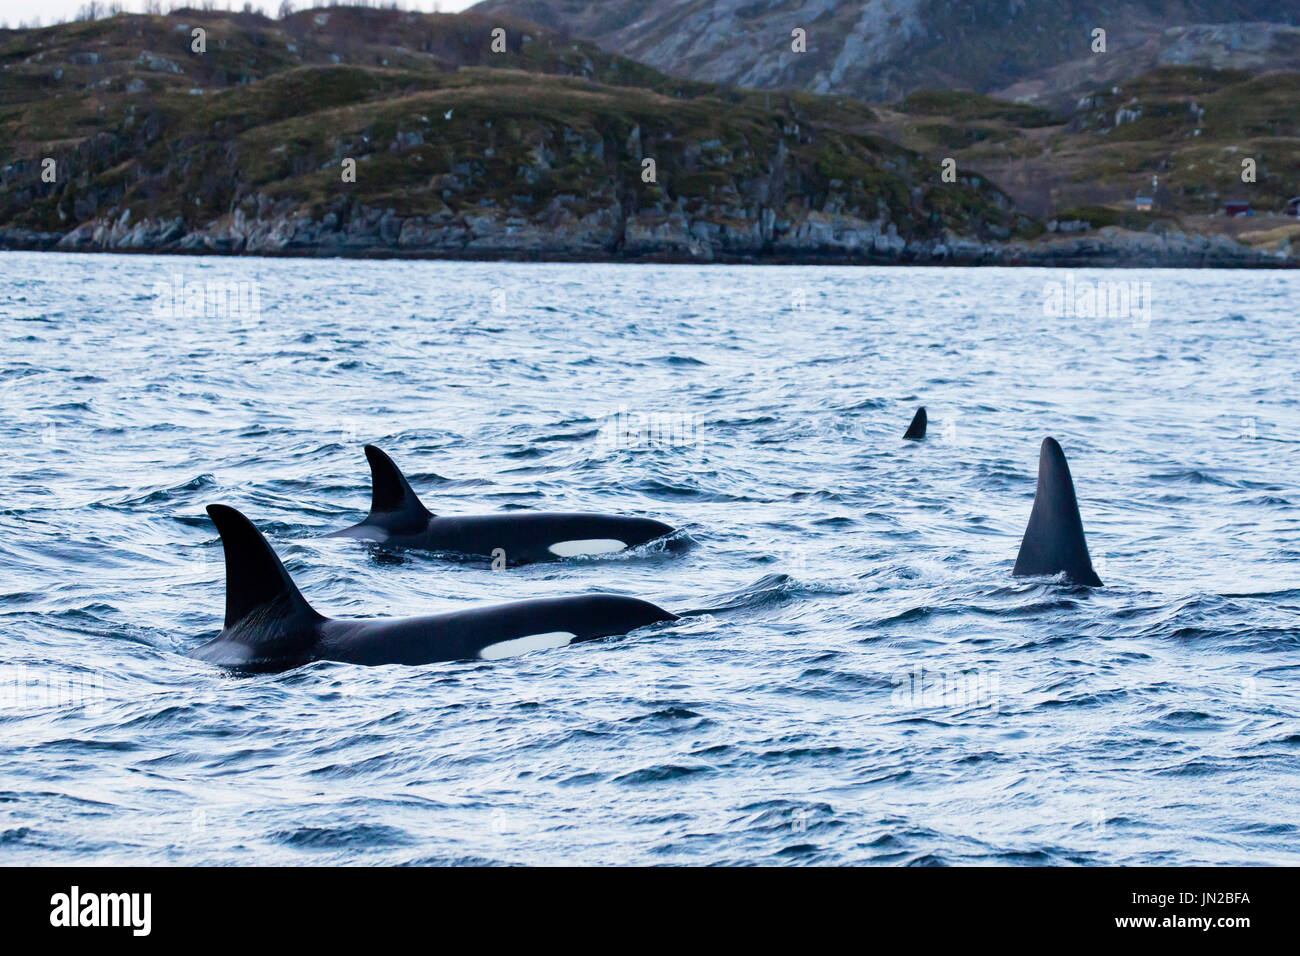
(271,627)
(398,519)
(1053,541)
(916,430)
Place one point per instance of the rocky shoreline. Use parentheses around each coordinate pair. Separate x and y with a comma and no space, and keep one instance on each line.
(418,144)
(608,235)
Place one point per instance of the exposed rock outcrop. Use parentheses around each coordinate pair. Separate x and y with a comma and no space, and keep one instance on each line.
(608,234)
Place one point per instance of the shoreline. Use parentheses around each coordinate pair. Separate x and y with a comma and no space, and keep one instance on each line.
(1108,248)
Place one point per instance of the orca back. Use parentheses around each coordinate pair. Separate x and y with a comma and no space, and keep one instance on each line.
(1053,542)
(269,624)
(486,633)
(394,505)
(916,430)
(398,519)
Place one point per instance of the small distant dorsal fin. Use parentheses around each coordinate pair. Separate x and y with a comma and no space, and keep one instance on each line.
(392,502)
(1054,541)
(916,430)
(255,578)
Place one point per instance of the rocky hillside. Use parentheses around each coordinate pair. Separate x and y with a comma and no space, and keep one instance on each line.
(881,50)
(1179,135)
(542,150)
(352,131)
(1187,129)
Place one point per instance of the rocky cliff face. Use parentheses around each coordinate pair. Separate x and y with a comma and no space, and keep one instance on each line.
(258,146)
(612,235)
(883,49)
(383,133)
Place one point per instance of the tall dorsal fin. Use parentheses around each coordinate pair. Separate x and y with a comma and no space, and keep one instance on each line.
(916,430)
(255,578)
(1053,540)
(392,502)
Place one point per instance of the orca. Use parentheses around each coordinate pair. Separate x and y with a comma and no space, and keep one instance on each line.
(916,430)
(398,519)
(1053,541)
(270,626)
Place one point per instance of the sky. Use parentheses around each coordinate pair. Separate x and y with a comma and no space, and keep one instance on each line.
(14,12)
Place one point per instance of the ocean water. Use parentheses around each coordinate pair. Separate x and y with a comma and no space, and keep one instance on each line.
(857,677)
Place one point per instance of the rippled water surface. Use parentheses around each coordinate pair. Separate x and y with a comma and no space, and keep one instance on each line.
(860,679)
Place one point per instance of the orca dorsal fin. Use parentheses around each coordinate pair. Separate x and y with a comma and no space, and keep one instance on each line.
(1054,540)
(916,430)
(255,578)
(392,502)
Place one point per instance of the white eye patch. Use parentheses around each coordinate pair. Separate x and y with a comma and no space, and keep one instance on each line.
(569,549)
(522,645)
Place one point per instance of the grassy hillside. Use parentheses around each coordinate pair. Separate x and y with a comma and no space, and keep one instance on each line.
(1187,127)
(538,150)
(142,128)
